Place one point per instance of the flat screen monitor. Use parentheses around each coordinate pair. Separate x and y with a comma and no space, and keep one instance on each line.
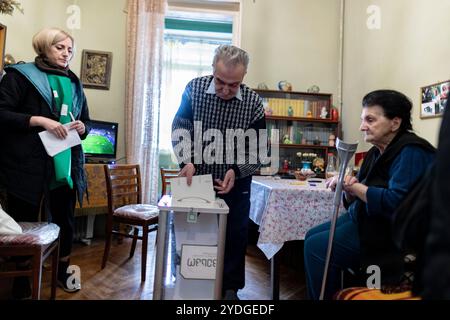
(101,142)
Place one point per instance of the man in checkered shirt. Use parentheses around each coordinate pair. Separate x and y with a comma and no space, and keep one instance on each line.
(220,105)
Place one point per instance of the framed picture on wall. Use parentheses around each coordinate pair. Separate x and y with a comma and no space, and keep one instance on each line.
(2,47)
(433,99)
(96,69)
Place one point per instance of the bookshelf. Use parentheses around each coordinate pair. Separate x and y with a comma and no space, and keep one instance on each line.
(305,124)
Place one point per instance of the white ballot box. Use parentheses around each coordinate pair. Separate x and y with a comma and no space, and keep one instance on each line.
(190,249)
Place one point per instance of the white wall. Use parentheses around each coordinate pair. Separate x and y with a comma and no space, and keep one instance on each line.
(103,27)
(21,27)
(410,50)
(294,40)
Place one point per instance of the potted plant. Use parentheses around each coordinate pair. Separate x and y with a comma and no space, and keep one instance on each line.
(8,6)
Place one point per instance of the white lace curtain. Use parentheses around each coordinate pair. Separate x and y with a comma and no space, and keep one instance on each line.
(183,61)
(145,32)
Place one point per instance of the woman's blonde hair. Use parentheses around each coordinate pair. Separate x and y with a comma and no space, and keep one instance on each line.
(44,39)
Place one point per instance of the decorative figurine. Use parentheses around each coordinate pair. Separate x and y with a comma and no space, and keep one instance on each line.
(316,141)
(334,114)
(331,140)
(262,86)
(314,89)
(319,165)
(284,85)
(323,113)
(286,139)
(299,136)
(290,111)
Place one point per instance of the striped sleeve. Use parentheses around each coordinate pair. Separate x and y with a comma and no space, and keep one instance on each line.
(183,130)
(258,122)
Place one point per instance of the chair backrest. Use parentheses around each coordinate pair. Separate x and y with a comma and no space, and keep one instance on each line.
(123,185)
(166,175)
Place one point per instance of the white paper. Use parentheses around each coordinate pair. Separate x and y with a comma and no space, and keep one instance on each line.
(53,145)
(200,190)
(8,225)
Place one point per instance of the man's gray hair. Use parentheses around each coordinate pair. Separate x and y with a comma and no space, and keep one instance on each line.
(231,56)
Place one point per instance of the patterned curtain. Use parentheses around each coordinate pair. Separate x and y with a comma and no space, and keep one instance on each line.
(145,27)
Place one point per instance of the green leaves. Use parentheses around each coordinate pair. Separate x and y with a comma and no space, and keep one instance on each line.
(8,6)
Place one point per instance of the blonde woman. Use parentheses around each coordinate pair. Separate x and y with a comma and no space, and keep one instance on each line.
(37,96)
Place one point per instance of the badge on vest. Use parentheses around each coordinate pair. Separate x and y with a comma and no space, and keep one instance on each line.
(64,109)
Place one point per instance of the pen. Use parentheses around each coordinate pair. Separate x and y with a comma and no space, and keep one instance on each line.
(71,115)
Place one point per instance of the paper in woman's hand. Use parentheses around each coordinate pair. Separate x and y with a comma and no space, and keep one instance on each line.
(53,145)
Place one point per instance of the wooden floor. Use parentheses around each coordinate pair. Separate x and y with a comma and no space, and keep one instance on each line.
(120,280)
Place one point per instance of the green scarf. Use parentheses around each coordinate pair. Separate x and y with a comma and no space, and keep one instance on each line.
(62,93)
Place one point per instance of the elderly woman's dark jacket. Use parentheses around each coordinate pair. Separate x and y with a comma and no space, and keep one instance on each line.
(25,168)
(375,231)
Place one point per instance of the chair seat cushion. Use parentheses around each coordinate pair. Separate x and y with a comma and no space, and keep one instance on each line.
(34,234)
(137,211)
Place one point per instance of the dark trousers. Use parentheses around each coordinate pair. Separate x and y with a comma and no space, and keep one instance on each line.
(62,209)
(238,200)
(345,254)
(59,207)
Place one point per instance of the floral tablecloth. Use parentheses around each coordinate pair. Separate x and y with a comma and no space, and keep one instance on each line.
(286,209)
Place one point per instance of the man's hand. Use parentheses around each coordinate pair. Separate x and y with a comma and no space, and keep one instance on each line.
(188,171)
(227,184)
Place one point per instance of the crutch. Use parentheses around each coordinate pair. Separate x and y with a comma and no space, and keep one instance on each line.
(345,153)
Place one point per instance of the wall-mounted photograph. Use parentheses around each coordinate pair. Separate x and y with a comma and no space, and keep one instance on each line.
(96,69)
(434,98)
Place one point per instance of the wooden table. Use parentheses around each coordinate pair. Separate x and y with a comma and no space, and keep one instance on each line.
(98,200)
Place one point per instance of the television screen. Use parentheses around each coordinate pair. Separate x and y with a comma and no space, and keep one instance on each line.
(101,141)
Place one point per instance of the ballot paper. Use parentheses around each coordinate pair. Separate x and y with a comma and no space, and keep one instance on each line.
(201,190)
(53,145)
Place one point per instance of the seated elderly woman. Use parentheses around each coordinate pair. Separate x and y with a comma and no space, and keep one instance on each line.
(363,235)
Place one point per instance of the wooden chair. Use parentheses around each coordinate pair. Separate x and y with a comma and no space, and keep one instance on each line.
(39,240)
(123,186)
(166,175)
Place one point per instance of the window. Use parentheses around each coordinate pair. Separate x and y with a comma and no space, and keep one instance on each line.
(190,38)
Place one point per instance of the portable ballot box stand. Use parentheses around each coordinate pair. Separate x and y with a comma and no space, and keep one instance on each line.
(190,249)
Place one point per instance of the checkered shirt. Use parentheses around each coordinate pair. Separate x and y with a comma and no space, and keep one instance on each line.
(216,113)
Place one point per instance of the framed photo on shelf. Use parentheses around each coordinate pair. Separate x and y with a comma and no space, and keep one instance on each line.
(96,69)
(433,99)
(2,47)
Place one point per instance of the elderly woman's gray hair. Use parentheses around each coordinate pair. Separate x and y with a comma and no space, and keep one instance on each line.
(44,39)
(231,56)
